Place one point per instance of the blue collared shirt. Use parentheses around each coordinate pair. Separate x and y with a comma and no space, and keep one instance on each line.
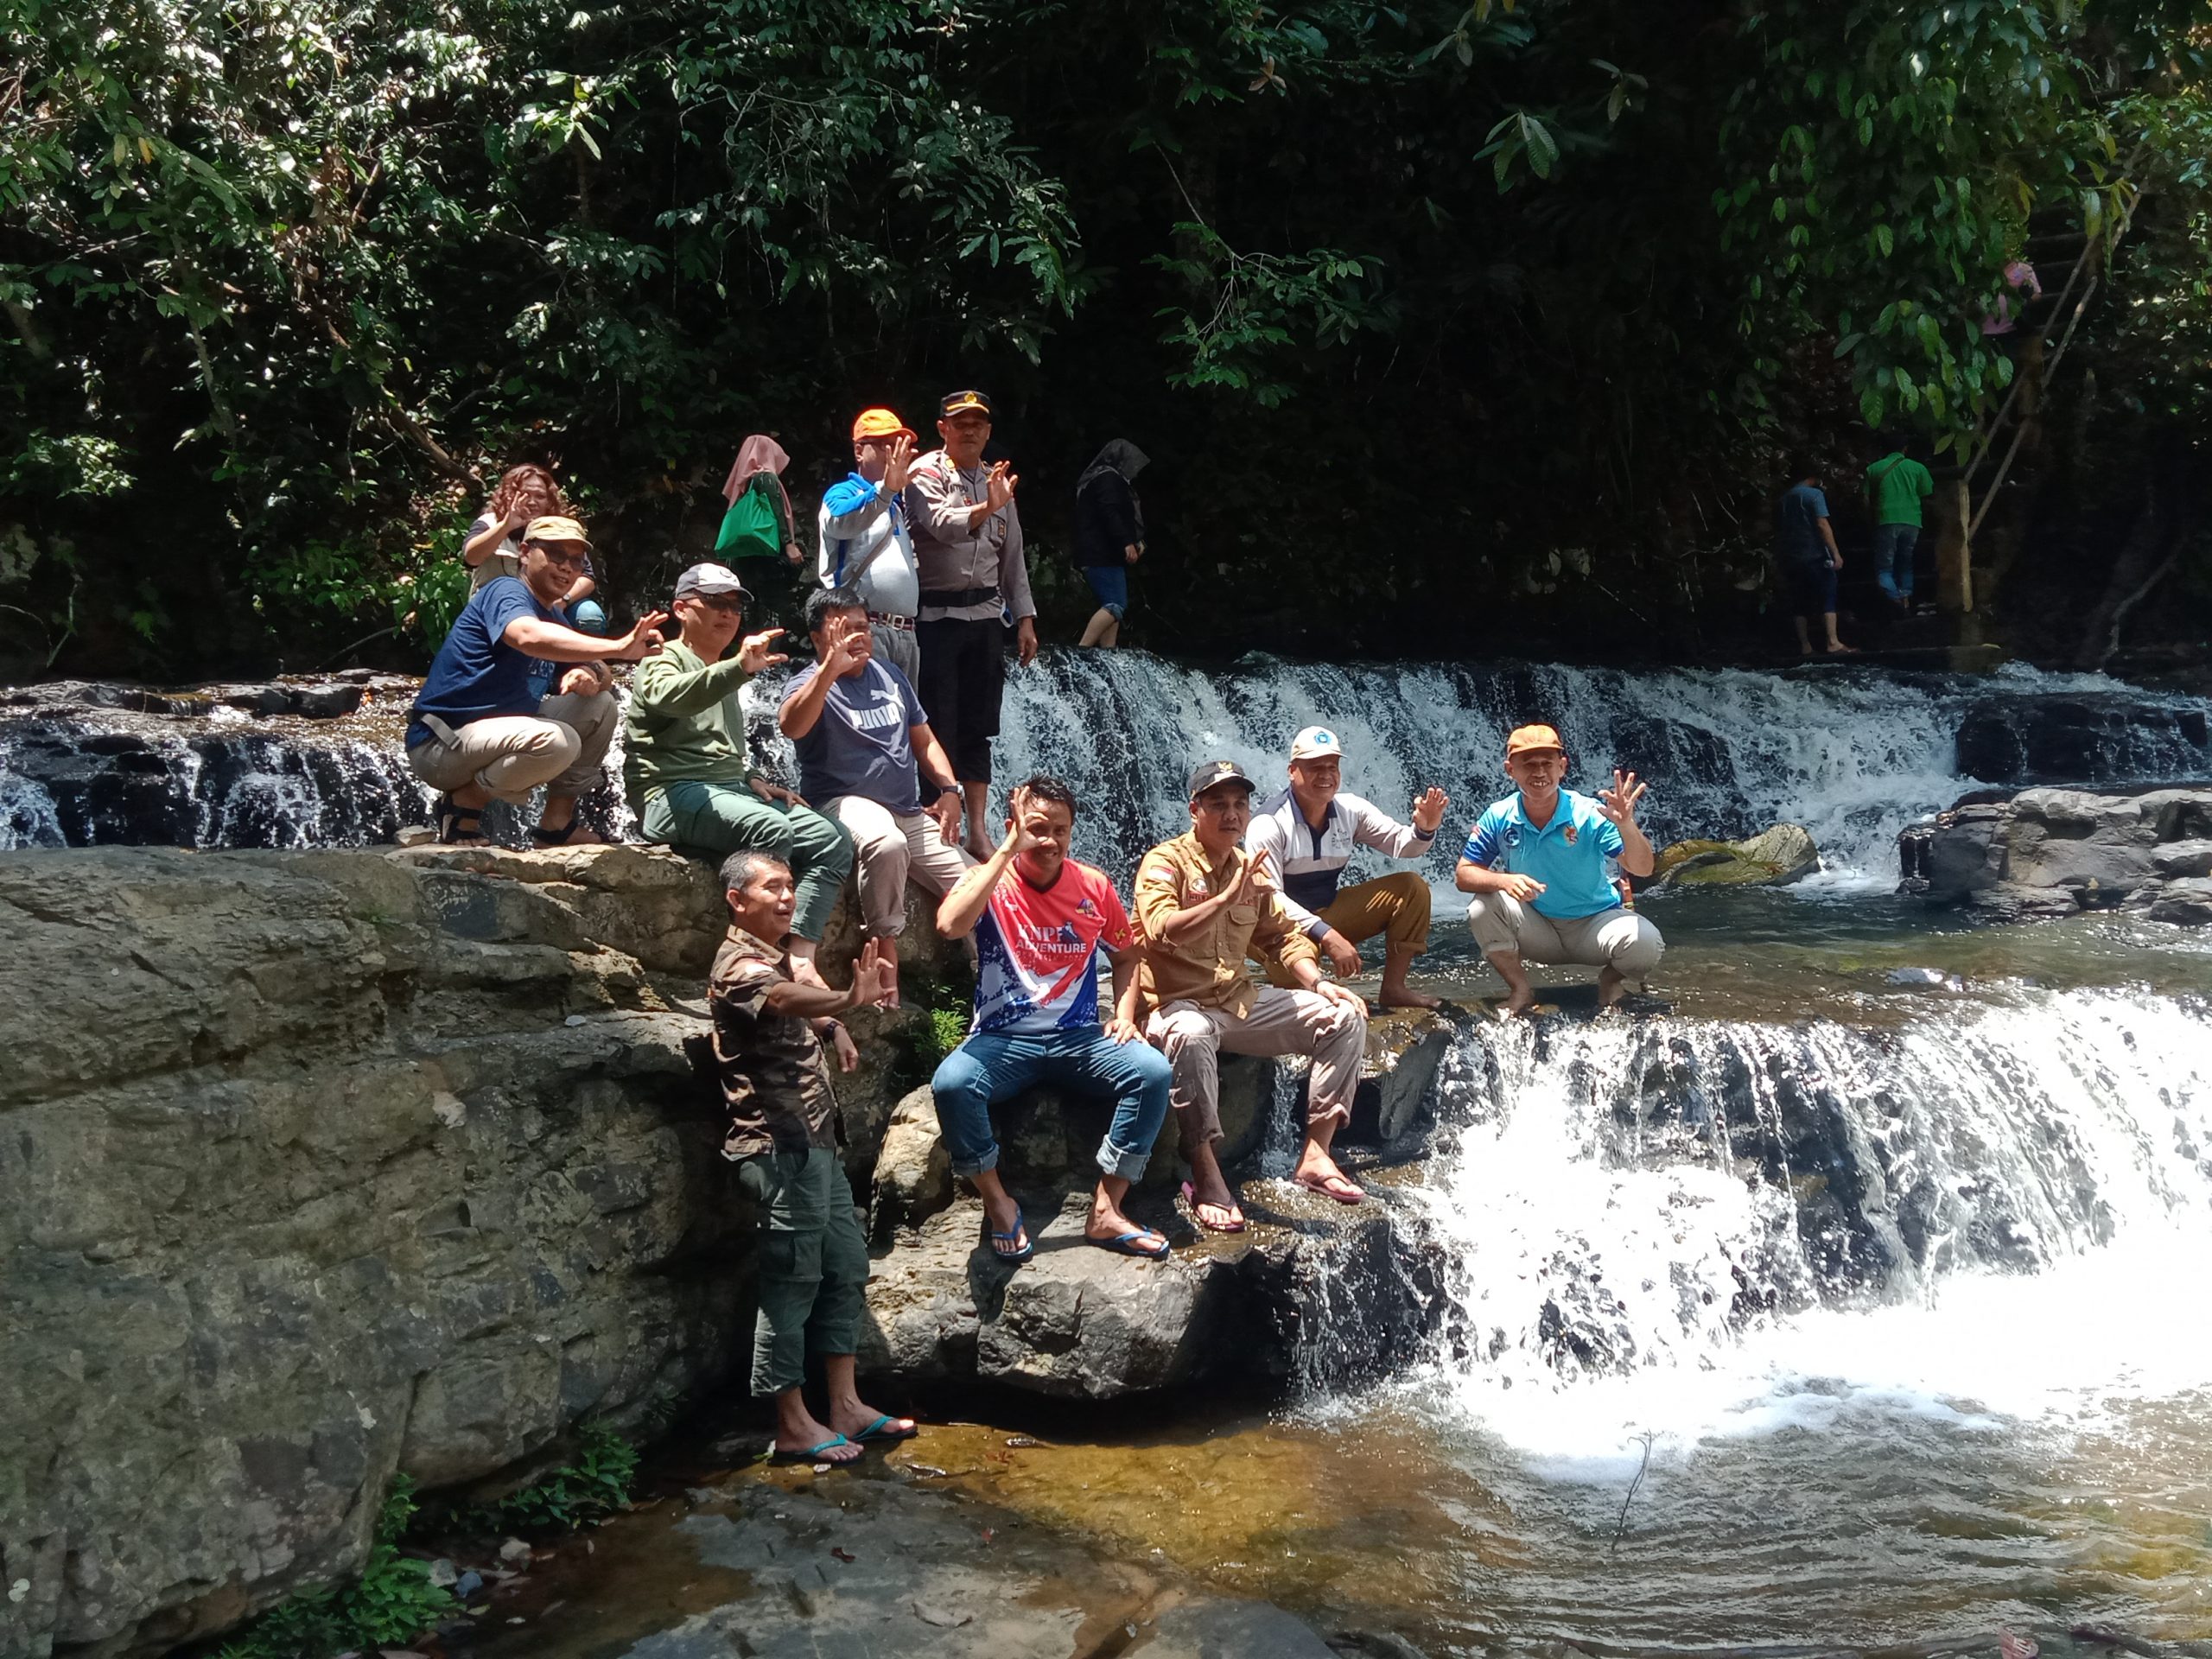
(1568,856)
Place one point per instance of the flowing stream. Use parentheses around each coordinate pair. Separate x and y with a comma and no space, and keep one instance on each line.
(1858,1299)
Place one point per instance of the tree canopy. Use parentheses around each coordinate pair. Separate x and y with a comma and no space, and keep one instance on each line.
(1493,315)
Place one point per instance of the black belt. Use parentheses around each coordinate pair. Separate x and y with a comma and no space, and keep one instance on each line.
(954,598)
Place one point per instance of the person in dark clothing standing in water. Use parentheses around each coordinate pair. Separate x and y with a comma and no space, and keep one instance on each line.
(1807,557)
(1110,534)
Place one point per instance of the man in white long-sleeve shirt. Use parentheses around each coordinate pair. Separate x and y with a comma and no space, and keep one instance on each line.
(967,549)
(865,543)
(1311,828)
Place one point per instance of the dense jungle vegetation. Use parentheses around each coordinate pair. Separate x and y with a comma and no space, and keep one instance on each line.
(1479,328)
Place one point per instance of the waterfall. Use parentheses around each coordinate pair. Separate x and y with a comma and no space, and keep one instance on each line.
(1702,1229)
(1852,754)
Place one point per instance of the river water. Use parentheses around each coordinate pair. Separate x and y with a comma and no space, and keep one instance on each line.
(1859,1299)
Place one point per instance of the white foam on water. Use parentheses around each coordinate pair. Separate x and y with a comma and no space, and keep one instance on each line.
(2058,1152)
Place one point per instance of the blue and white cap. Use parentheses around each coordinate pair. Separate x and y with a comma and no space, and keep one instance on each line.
(1314,742)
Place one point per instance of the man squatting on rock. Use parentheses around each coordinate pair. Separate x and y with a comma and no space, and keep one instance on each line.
(865,542)
(864,748)
(1309,831)
(486,725)
(1203,904)
(1041,920)
(1536,863)
(685,765)
(968,547)
(784,1135)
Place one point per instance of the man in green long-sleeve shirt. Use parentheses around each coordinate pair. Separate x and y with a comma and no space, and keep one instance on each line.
(689,778)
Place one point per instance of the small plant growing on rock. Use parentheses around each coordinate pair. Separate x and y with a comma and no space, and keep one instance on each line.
(597,1484)
(393,1602)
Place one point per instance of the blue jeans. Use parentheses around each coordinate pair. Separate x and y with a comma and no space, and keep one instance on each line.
(1111,583)
(992,1066)
(1893,545)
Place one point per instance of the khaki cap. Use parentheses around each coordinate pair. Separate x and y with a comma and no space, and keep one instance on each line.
(555,529)
(1528,740)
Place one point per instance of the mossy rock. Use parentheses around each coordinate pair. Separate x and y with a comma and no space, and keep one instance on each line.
(1781,854)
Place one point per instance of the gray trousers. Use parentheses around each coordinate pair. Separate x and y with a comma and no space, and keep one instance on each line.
(896,647)
(813,1277)
(562,746)
(1618,938)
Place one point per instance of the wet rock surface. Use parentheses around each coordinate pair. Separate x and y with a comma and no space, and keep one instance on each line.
(2058,852)
(796,1565)
(1781,854)
(2089,738)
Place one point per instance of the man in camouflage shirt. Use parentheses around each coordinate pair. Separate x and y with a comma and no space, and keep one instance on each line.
(783,1136)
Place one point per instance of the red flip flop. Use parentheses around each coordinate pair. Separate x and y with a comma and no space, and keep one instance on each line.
(1339,1187)
(1191,1198)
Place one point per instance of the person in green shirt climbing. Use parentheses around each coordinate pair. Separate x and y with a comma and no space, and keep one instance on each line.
(1896,486)
(688,776)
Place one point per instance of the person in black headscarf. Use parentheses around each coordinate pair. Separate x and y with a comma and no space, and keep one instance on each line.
(1110,534)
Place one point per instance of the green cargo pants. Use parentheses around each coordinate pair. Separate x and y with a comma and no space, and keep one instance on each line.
(813,1276)
(725,818)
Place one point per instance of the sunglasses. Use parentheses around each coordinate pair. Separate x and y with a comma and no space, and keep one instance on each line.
(576,559)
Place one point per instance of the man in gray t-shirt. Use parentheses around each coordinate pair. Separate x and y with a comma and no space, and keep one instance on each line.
(867,758)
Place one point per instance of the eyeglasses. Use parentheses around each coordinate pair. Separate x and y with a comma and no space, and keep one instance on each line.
(576,558)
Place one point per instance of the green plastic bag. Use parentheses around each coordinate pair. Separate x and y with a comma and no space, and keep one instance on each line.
(754,528)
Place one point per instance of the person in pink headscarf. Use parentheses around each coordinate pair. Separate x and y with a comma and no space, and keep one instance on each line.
(759,522)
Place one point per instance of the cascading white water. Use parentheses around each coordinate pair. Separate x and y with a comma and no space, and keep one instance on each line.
(1854,755)
(1700,1229)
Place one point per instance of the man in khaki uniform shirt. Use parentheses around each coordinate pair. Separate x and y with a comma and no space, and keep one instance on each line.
(1201,904)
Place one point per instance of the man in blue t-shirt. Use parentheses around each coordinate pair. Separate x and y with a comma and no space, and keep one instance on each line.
(1536,863)
(1806,558)
(491,719)
(867,757)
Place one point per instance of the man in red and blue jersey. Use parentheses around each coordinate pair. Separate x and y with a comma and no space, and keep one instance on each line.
(1041,920)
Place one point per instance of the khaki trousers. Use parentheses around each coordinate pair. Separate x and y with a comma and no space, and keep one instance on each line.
(1617,939)
(1395,905)
(562,746)
(1281,1022)
(890,849)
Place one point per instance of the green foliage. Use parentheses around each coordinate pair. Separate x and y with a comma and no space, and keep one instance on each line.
(392,1603)
(596,1485)
(948,1029)
(286,282)
(1890,158)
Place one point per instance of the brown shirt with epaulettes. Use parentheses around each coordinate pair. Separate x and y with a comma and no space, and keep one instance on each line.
(774,1077)
(1207,967)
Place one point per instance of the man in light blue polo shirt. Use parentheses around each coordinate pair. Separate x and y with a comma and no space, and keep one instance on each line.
(1536,863)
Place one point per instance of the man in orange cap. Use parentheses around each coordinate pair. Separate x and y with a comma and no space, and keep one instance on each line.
(866,544)
(1536,863)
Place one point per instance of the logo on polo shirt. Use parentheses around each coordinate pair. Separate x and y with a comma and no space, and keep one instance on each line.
(1571,834)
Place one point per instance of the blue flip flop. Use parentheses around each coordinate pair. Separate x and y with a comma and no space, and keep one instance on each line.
(1021,1226)
(812,1455)
(880,1430)
(1127,1245)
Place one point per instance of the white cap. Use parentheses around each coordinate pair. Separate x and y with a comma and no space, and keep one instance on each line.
(712,579)
(1314,742)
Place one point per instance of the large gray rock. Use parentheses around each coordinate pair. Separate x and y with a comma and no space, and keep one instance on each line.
(320,1167)
(2055,852)
(1077,1321)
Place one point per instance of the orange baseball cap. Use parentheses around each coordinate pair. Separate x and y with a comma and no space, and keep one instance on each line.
(879,423)
(1527,740)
